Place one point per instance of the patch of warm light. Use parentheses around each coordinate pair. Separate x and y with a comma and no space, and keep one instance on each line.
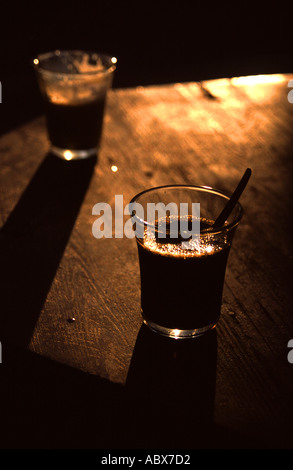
(258,79)
(168,114)
(114,168)
(36,61)
(114,60)
(68,155)
(176,333)
(260,88)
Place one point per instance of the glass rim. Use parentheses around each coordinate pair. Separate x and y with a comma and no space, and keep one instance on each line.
(45,55)
(208,189)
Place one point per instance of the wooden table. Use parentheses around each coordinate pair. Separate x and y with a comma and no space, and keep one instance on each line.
(78,368)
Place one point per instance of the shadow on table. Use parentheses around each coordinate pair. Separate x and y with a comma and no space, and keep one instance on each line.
(48,405)
(170,391)
(170,395)
(33,240)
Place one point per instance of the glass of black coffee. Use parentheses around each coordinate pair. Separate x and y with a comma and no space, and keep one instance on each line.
(74,86)
(182,257)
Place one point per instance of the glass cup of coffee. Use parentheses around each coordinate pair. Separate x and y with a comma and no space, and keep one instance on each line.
(74,86)
(182,257)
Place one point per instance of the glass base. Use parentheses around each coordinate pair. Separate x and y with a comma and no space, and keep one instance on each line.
(176,333)
(67,154)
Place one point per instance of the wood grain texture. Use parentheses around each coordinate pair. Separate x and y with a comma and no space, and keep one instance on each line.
(191,133)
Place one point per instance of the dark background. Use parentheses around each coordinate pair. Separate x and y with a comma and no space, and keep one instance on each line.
(155,42)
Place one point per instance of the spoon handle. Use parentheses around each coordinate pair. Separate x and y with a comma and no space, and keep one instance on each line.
(221,219)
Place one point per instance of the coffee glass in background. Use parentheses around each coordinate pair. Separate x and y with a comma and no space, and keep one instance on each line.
(182,280)
(74,86)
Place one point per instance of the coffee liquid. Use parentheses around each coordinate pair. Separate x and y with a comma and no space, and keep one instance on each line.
(182,288)
(75,126)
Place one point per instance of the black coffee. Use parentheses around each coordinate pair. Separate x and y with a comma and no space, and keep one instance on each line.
(182,288)
(75,126)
